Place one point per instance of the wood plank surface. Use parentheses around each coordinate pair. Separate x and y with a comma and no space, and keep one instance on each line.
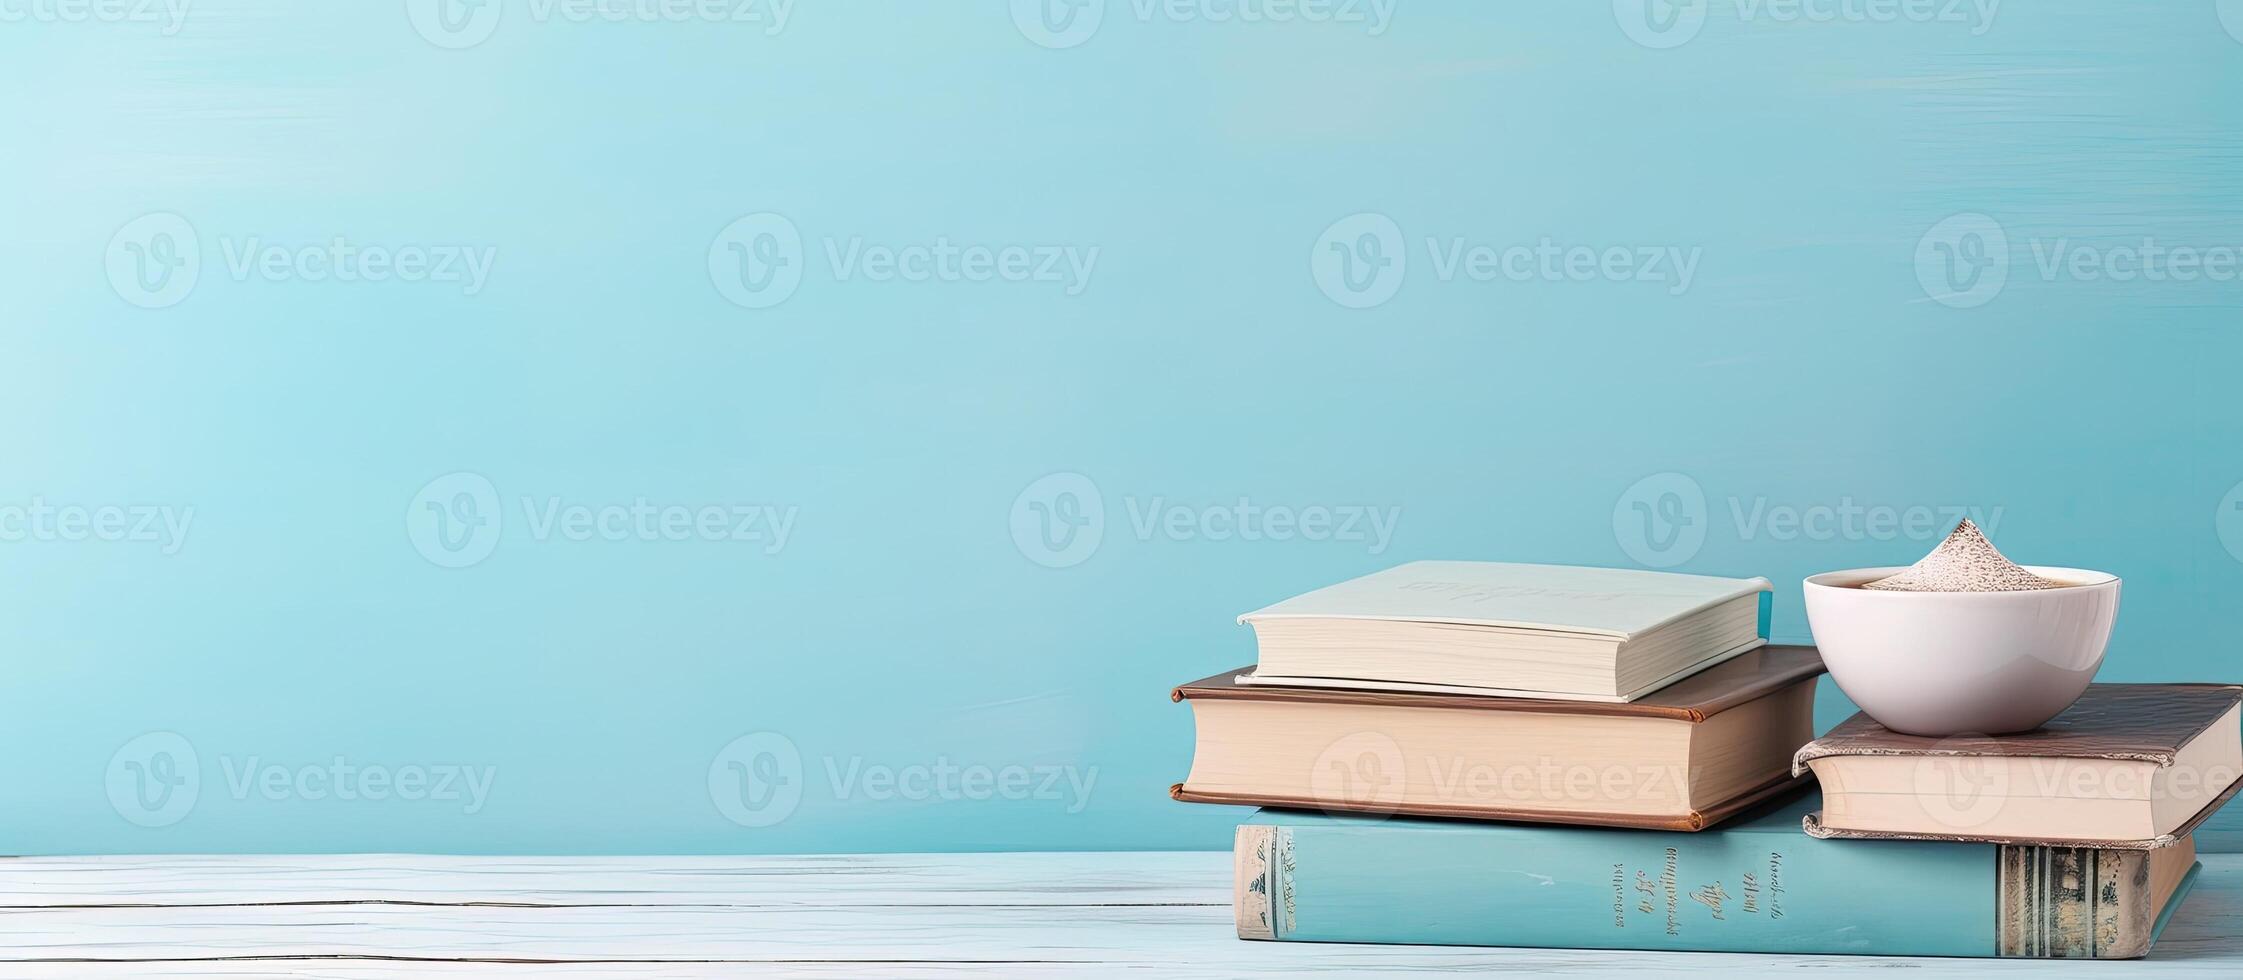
(1049,915)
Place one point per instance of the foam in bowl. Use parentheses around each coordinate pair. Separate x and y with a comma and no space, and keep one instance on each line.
(1965,562)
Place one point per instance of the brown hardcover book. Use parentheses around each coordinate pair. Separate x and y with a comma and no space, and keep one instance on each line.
(1684,758)
(2128,766)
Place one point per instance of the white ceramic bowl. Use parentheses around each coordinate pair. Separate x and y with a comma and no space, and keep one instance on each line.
(1947,663)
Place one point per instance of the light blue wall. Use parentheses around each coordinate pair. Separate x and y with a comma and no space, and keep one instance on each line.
(1213,354)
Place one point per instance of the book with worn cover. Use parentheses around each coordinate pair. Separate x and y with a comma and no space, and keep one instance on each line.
(2127,766)
(1683,759)
(1756,886)
(1542,631)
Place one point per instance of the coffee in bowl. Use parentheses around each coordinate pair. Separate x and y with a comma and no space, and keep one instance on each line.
(1964,562)
(1964,641)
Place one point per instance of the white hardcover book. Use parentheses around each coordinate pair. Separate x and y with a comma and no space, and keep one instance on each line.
(1542,631)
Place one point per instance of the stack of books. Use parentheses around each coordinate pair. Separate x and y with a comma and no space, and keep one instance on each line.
(1517,755)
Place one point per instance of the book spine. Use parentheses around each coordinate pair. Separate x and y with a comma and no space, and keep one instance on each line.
(1737,891)
(2074,902)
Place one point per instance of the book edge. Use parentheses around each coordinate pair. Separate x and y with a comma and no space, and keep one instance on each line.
(1765,682)
(1833,744)
(2165,915)
(1255,678)
(1813,826)
(1688,821)
(1739,587)
(1252,888)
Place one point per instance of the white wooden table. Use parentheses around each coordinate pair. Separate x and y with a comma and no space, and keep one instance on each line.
(1043,915)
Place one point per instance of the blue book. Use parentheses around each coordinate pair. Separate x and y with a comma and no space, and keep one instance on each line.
(1759,885)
